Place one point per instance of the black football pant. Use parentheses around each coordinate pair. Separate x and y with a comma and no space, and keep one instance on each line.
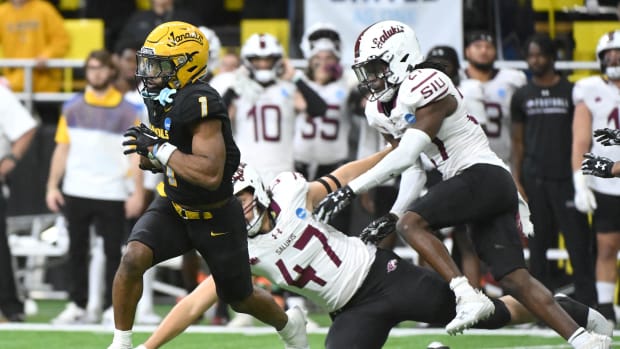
(9,302)
(553,211)
(109,220)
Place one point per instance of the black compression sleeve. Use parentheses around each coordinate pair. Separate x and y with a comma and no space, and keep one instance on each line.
(228,97)
(316,106)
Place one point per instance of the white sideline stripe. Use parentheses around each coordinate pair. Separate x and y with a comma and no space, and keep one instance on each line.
(397,332)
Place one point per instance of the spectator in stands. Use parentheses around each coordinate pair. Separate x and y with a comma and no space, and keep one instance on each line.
(542,118)
(596,107)
(89,160)
(34,29)
(17,128)
(140,24)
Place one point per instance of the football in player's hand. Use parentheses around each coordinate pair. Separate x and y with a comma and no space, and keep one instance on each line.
(150,165)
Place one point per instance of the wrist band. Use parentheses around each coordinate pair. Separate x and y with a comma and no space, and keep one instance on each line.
(163,152)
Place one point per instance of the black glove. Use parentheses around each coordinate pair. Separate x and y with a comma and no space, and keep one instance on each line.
(597,166)
(143,138)
(333,203)
(607,136)
(379,228)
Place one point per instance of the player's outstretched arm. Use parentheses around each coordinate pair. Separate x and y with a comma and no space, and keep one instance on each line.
(183,314)
(318,189)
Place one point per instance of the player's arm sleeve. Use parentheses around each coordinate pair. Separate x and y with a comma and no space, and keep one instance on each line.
(405,155)
(15,118)
(229,96)
(62,131)
(316,106)
(427,87)
(516,113)
(412,182)
(200,105)
(579,93)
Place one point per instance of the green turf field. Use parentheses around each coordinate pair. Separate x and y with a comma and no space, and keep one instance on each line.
(36,333)
(97,340)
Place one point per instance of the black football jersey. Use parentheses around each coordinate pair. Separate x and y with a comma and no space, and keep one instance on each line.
(191,105)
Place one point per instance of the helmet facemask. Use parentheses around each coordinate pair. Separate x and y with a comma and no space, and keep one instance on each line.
(267,75)
(374,76)
(258,212)
(151,67)
(610,64)
(247,179)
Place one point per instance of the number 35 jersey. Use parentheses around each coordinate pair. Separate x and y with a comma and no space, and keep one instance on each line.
(602,98)
(305,256)
(460,141)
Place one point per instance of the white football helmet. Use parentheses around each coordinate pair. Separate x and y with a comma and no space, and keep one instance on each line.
(385,53)
(246,177)
(263,45)
(608,41)
(214,48)
(320,37)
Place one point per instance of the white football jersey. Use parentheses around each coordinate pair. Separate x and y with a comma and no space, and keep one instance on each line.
(264,129)
(497,95)
(305,256)
(603,100)
(474,98)
(460,142)
(324,139)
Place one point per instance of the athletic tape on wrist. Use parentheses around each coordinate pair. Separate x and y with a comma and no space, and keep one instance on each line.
(163,152)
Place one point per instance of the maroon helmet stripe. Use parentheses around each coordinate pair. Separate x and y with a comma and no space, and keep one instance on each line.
(359,40)
(262,41)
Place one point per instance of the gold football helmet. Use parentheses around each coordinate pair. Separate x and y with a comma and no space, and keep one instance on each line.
(176,52)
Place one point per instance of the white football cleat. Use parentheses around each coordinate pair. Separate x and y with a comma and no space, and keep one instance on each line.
(118,346)
(71,315)
(294,333)
(470,309)
(597,341)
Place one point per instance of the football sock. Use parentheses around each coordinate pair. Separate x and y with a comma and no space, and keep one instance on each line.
(123,338)
(579,338)
(460,286)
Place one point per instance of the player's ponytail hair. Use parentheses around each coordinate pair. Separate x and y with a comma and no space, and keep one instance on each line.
(431,65)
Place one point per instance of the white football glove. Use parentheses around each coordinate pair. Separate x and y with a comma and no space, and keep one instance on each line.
(584,197)
(141,346)
(527,228)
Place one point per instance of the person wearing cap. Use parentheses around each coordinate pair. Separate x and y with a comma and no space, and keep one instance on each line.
(498,86)
(542,118)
